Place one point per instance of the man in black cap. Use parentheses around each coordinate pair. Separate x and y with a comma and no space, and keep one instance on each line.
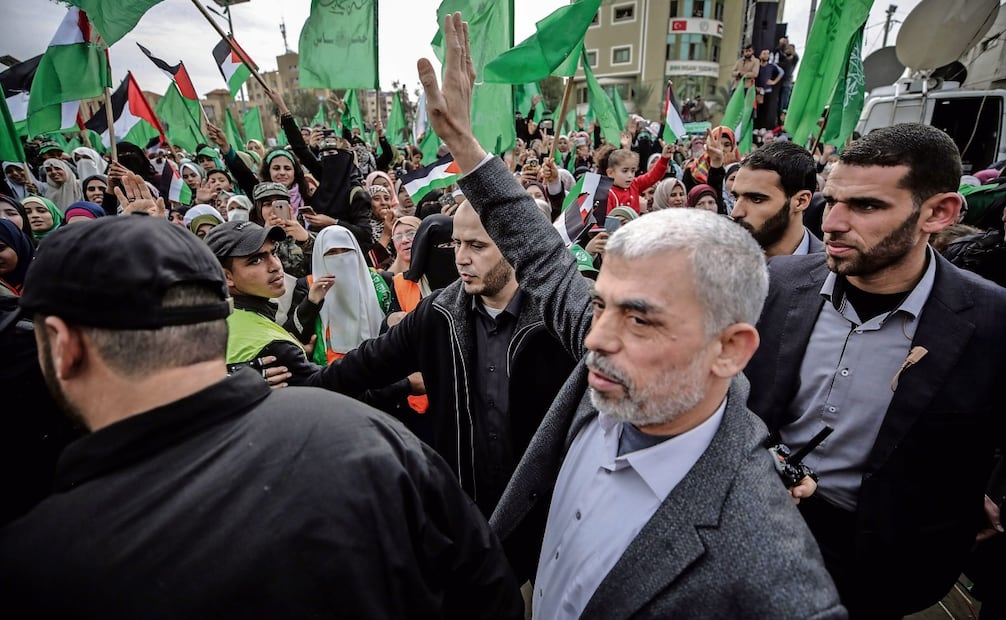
(200,494)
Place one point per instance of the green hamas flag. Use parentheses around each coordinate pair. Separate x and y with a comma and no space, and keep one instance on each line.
(849,98)
(602,107)
(556,37)
(397,129)
(490,24)
(824,63)
(233,133)
(744,131)
(181,124)
(253,125)
(319,116)
(429,144)
(621,114)
(523,94)
(114,18)
(10,144)
(338,45)
(352,118)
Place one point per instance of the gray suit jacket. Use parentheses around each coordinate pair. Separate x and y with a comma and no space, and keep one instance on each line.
(727,542)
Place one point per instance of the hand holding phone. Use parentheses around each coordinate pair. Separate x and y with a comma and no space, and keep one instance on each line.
(281,210)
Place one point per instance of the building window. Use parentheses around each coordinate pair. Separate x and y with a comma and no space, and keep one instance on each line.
(581,95)
(623,13)
(621,55)
(718,14)
(700,8)
(597,19)
(716,53)
(675,8)
(592,58)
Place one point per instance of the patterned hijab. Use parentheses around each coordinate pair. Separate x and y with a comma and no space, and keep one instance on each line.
(700,165)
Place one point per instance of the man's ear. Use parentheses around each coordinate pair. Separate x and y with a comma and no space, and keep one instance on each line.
(943,210)
(65,345)
(738,343)
(230,277)
(801,200)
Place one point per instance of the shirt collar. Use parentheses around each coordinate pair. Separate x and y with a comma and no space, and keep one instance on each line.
(804,247)
(664,465)
(912,304)
(512,308)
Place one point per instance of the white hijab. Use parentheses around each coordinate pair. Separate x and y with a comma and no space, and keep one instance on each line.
(351,312)
(66,193)
(90,162)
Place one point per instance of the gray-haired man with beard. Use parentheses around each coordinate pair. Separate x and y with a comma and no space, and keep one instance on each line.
(771,191)
(646,491)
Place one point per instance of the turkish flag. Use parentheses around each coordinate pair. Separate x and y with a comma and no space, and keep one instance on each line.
(679,24)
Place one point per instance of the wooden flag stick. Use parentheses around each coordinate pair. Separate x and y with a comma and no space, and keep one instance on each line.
(110,116)
(562,115)
(237,50)
(820,133)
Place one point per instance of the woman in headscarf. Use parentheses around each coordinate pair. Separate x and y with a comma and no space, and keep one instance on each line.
(403,232)
(201,219)
(16,253)
(82,211)
(13,210)
(64,189)
(43,216)
(431,265)
(192,175)
(697,170)
(704,196)
(94,188)
(352,310)
(670,194)
(730,173)
(20,182)
(238,208)
(382,216)
(88,162)
(381,178)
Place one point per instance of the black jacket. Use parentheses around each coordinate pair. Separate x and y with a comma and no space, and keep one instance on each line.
(438,339)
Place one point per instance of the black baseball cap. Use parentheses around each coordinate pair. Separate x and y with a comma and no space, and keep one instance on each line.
(113,273)
(241,238)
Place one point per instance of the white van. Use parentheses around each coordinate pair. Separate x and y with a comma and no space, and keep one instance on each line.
(975,119)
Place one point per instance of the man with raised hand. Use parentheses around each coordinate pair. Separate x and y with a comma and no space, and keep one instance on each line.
(647,491)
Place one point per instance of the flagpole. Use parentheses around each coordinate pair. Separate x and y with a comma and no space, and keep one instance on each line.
(820,134)
(562,115)
(234,48)
(110,115)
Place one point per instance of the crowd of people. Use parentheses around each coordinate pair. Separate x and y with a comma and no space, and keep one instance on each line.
(299,391)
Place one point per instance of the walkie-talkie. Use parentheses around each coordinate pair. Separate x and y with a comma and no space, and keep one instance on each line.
(790,464)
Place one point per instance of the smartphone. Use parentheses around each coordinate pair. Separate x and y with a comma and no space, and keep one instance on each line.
(306,210)
(282,210)
(611,224)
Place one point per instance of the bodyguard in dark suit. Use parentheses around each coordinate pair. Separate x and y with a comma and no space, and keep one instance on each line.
(901,353)
(772,189)
(650,494)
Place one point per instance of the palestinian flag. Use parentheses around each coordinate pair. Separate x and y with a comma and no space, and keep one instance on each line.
(585,206)
(74,67)
(674,127)
(178,73)
(229,62)
(16,83)
(438,175)
(178,192)
(135,121)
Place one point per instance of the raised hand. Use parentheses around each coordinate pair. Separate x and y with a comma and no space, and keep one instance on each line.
(449,107)
(135,196)
(715,150)
(218,137)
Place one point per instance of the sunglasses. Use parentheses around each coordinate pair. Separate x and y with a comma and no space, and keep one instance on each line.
(404,236)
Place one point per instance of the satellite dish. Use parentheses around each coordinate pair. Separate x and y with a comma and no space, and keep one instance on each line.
(938,32)
(953,72)
(882,68)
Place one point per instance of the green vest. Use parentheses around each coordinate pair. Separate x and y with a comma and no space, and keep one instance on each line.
(249,333)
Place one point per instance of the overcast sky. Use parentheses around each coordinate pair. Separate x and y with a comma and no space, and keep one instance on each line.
(174,30)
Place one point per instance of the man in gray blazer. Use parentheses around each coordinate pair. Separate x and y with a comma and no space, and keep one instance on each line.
(650,494)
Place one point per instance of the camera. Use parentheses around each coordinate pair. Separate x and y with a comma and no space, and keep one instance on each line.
(329,143)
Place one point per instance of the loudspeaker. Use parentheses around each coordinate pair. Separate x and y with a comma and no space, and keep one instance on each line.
(763,30)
